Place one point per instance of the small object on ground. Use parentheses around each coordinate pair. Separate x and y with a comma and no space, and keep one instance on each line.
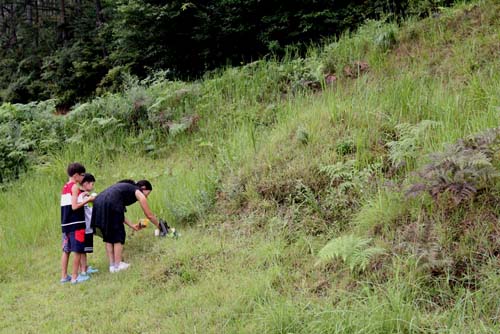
(165,230)
(174,233)
(143,222)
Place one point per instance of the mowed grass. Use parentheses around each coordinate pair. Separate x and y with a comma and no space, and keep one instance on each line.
(188,285)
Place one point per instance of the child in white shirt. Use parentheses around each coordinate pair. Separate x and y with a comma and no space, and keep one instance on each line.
(87,185)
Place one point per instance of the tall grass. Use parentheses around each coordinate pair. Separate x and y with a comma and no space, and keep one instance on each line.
(256,156)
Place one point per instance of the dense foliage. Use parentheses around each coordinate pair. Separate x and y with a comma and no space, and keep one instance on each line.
(73,49)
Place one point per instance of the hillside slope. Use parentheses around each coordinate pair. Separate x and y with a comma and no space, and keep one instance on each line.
(306,192)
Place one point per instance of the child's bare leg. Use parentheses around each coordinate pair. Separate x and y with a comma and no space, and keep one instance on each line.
(110,253)
(76,265)
(118,248)
(64,265)
(83,263)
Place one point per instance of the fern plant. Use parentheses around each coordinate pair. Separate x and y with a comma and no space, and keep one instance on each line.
(463,169)
(405,150)
(349,185)
(345,175)
(354,251)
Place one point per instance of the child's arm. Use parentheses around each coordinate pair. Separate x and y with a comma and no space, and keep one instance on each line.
(74,198)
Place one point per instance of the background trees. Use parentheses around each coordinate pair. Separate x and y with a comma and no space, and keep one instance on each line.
(71,49)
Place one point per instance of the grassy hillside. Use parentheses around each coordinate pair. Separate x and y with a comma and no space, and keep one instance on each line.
(352,191)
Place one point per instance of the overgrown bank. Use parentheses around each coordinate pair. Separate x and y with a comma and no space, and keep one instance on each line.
(273,169)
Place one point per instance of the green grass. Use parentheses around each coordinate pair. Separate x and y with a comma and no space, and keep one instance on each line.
(249,193)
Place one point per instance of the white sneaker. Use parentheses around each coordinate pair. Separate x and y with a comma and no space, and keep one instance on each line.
(113,269)
(122,266)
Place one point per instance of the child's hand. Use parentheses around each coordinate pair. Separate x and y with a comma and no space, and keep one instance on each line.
(136,227)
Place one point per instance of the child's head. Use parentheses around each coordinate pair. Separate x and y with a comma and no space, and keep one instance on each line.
(76,171)
(88,182)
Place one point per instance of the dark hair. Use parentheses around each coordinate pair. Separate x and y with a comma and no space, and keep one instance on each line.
(75,168)
(88,178)
(144,185)
(130,181)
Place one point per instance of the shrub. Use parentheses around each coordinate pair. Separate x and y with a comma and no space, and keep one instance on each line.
(26,132)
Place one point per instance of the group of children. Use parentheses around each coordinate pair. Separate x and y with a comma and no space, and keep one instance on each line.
(77,234)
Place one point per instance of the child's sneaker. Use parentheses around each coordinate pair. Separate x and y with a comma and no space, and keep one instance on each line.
(113,269)
(66,279)
(80,279)
(92,270)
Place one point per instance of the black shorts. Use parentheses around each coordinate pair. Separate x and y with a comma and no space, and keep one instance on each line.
(89,243)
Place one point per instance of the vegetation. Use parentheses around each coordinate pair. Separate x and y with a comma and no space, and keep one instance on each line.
(70,50)
(350,190)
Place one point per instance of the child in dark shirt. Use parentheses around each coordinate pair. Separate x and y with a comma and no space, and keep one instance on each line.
(72,224)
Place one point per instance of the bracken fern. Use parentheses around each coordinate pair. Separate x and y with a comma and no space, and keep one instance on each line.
(405,150)
(462,169)
(354,251)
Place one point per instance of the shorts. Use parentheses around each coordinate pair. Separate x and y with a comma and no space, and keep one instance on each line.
(107,220)
(115,234)
(89,243)
(74,241)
